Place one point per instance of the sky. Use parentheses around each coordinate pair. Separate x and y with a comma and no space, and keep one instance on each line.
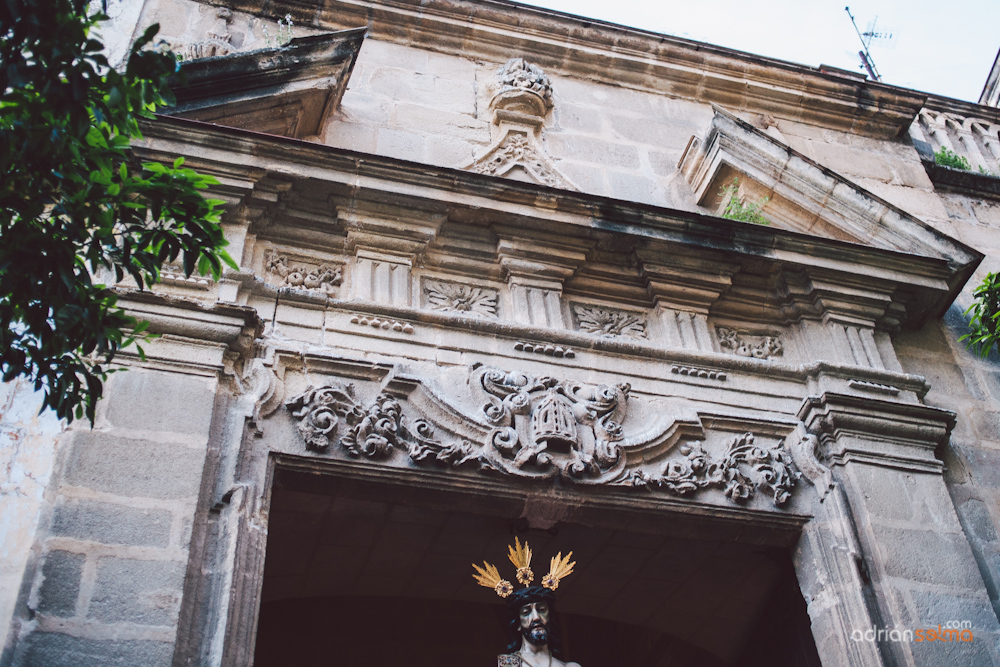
(942,47)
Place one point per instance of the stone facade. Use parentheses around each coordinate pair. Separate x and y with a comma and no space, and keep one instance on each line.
(483,279)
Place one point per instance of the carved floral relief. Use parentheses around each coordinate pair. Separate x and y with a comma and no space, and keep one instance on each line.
(745,469)
(613,323)
(320,278)
(463,299)
(745,345)
(542,428)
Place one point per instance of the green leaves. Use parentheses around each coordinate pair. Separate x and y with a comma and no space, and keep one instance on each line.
(75,209)
(736,209)
(984,324)
(948,158)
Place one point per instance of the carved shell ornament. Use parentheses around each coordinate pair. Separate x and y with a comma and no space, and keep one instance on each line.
(542,428)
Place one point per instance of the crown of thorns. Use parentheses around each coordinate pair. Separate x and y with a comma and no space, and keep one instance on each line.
(520,555)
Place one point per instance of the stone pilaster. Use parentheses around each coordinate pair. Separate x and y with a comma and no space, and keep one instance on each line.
(111,558)
(915,566)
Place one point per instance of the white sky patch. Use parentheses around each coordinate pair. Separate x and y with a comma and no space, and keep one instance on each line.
(946,48)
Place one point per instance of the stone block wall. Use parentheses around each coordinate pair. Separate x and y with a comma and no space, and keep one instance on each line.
(28,447)
(114,538)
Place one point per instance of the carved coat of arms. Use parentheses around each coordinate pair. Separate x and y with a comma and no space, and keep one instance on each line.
(544,426)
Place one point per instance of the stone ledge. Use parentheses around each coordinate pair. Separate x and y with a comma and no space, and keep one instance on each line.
(962,181)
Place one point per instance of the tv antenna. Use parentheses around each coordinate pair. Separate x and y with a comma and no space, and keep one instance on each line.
(866,38)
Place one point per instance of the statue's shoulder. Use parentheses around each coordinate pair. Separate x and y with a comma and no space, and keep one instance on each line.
(509,660)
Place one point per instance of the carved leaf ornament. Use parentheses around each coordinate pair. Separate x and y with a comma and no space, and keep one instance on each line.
(463,299)
(540,428)
(610,323)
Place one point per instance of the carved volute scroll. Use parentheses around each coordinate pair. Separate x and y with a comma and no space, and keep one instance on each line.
(542,428)
(522,100)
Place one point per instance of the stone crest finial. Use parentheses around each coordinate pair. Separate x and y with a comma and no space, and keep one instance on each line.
(519,74)
(520,103)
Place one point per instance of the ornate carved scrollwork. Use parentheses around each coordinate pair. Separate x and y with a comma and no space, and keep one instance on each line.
(324,412)
(745,469)
(539,428)
(745,345)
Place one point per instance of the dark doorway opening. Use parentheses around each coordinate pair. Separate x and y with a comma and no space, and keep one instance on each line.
(362,573)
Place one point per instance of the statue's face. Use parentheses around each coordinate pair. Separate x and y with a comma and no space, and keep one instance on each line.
(535,622)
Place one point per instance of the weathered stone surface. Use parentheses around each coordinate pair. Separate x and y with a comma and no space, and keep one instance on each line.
(112,524)
(58,650)
(151,401)
(60,587)
(147,592)
(133,467)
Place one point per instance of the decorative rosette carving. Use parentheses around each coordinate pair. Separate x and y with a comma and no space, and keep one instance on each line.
(613,323)
(463,299)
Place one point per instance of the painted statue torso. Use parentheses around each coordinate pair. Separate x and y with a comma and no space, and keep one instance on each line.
(514,660)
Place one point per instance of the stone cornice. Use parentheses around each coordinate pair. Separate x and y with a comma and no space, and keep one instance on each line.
(289,90)
(355,182)
(573,46)
(962,108)
(181,323)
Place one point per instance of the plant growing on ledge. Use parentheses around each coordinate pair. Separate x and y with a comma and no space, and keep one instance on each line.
(984,323)
(736,209)
(949,158)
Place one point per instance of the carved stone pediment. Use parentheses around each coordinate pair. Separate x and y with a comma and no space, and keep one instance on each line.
(540,428)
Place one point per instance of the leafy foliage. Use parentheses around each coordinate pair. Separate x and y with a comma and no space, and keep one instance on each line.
(949,158)
(73,204)
(985,316)
(736,209)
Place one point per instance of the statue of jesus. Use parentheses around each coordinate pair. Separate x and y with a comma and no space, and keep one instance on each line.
(531,630)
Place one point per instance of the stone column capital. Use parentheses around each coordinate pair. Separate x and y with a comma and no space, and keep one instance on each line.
(877,432)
